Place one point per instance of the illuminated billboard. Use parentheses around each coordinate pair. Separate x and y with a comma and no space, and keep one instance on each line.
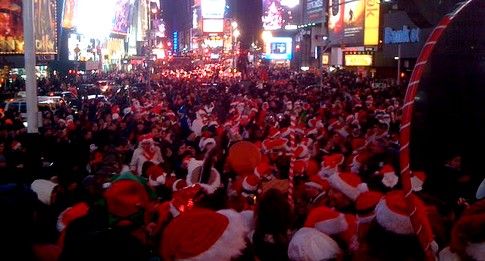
(353,22)
(336,21)
(213,25)
(213,8)
(12,30)
(314,10)
(358,58)
(277,14)
(279,48)
(371,26)
(120,19)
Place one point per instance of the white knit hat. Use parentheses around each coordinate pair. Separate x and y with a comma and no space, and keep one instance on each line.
(44,189)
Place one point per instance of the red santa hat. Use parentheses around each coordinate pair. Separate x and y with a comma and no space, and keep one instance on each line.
(365,205)
(184,199)
(127,197)
(349,184)
(316,181)
(417,180)
(389,177)
(204,142)
(302,152)
(263,170)
(392,213)
(145,138)
(71,213)
(358,144)
(45,190)
(309,244)
(250,185)
(203,234)
(16,145)
(333,123)
(156,175)
(273,133)
(326,220)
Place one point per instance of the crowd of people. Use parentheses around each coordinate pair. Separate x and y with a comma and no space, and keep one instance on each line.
(218,169)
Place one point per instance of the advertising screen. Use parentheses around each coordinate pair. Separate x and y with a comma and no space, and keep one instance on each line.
(354,22)
(11,27)
(68,16)
(213,8)
(279,48)
(120,19)
(358,58)
(314,11)
(336,21)
(348,19)
(279,13)
(213,25)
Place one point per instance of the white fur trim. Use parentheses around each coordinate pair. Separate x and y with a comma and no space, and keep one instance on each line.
(339,184)
(174,186)
(209,188)
(230,244)
(390,179)
(365,219)
(43,188)
(193,163)
(248,218)
(476,251)
(416,183)
(481,190)
(310,244)
(314,185)
(328,171)
(173,210)
(447,255)
(249,187)
(333,226)
(392,221)
(60,224)
(159,181)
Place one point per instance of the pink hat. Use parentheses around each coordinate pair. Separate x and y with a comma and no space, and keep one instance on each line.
(203,234)
(349,184)
(309,244)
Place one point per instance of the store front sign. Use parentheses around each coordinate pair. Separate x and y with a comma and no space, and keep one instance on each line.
(405,35)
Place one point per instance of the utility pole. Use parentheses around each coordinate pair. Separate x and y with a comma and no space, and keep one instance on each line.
(29,58)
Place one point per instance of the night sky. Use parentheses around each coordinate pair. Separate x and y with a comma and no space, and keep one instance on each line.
(178,15)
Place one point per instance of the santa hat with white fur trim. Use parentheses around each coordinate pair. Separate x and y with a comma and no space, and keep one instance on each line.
(326,220)
(309,244)
(349,184)
(389,177)
(203,234)
(392,214)
(316,181)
